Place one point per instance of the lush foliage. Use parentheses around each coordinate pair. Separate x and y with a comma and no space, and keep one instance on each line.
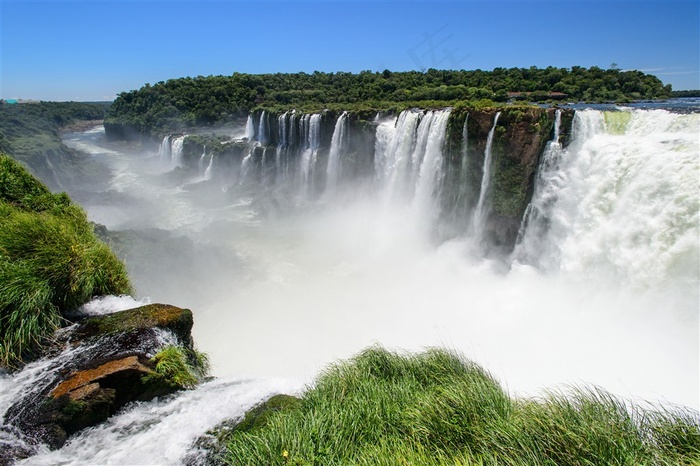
(207,100)
(436,409)
(50,262)
(179,366)
(688,93)
(19,123)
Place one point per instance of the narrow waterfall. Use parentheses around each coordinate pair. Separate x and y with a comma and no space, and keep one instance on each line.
(478,223)
(202,168)
(249,129)
(282,146)
(263,133)
(165,150)
(208,171)
(177,158)
(338,143)
(311,135)
(246,167)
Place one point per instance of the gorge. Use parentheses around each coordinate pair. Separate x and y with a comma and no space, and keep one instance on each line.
(553,246)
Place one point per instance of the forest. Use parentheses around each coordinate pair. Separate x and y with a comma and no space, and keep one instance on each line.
(187,102)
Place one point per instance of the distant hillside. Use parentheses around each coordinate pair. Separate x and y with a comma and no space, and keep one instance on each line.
(185,102)
(29,132)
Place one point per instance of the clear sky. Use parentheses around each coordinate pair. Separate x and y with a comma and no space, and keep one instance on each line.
(94,50)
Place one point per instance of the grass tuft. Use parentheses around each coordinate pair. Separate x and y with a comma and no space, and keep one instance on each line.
(50,262)
(434,408)
(179,366)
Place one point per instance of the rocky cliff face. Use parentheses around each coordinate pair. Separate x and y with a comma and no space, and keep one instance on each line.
(519,140)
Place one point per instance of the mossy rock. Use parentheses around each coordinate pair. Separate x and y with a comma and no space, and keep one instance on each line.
(212,446)
(164,316)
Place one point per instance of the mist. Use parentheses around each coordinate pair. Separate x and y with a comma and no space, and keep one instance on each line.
(282,286)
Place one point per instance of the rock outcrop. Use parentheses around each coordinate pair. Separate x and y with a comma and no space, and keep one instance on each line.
(101,364)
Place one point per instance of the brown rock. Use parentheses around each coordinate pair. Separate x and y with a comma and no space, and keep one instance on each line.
(76,386)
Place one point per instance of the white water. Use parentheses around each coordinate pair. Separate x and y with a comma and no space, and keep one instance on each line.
(249,129)
(481,206)
(607,296)
(176,151)
(430,170)
(162,431)
(311,125)
(334,156)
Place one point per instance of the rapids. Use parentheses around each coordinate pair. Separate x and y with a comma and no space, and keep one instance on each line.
(601,289)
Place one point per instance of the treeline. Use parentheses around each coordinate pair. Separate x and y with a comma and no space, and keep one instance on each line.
(31,120)
(206,100)
(689,93)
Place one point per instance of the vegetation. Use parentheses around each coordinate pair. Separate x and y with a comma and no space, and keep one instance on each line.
(179,366)
(184,102)
(437,409)
(20,123)
(689,93)
(50,262)
(29,132)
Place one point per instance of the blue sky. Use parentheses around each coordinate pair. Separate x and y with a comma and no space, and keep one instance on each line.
(94,50)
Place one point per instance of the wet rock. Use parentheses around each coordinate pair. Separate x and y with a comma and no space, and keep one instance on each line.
(105,363)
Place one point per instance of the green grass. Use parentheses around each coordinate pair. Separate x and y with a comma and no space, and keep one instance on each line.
(434,408)
(50,262)
(179,366)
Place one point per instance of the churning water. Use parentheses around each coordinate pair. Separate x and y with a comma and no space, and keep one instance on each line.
(602,287)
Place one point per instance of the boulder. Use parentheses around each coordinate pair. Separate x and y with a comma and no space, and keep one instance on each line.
(101,364)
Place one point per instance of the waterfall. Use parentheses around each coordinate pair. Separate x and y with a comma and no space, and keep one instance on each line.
(165,151)
(420,146)
(177,156)
(480,211)
(623,202)
(246,166)
(338,142)
(208,171)
(202,168)
(396,141)
(430,171)
(548,182)
(311,135)
(263,136)
(249,129)
(281,152)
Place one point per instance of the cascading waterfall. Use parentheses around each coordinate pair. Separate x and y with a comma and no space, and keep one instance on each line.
(338,142)
(311,125)
(420,145)
(164,151)
(549,182)
(602,287)
(430,169)
(480,210)
(249,129)
(282,145)
(622,202)
(208,171)
(394,145)
(177,155)
(202,168)
(263,134)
